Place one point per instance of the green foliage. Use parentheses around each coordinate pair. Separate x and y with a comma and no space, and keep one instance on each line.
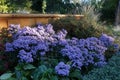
(44,6)
(38,72)
(43,73)
(75,75)
(20,6)
(3,6)
(109,11)
(53,6)
(30,72)
(110,72)
(88,26)
(80,28)
(28,67)
(4,36)
(115,61)
(37,5)
(5,76)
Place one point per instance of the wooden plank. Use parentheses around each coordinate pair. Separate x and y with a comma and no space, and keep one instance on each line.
(41,20)
(22,21)
(36,15)
(3,23)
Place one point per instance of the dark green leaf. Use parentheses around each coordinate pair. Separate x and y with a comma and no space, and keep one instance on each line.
(28,67)
(39,72)
(54,78)
(76,74)
(24,78)
(18,74)
(11,78)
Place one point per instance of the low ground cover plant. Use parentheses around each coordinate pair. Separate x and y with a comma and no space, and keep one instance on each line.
(41,53)
(109,72)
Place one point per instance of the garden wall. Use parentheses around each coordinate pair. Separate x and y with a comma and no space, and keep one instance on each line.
(29,19)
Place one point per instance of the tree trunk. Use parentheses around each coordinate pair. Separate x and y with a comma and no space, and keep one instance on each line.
(117,20)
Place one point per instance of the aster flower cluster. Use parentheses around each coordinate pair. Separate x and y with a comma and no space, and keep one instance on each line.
(83,52)
(62,69)
(13,28)
(109,42)
(30,42)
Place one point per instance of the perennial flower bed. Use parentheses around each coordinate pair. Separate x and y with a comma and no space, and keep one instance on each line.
(40,53)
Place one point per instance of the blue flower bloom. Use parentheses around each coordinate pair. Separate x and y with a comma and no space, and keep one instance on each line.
(13,28)
(35,40)
(25,56)
(107,40)
(62,69)
(84,52)
(9,47)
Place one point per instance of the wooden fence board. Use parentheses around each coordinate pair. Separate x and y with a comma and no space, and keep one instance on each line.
(29,19)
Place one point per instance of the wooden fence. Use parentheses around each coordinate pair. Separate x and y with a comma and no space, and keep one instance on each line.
(29,19)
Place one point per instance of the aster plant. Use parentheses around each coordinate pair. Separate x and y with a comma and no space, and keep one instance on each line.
(41,45)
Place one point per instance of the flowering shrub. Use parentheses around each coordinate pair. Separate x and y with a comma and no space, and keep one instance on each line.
(29,42)
(108,42)
(42,46)
(84,52)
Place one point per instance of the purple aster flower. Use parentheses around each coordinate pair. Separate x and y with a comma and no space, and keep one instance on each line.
(62,69)
(116,47)
(84,51)
(100,63)
(9,47)
(25,56)
(42,46)
(13,28)
(61,34)
(49,29)
(107,40)
(77,63)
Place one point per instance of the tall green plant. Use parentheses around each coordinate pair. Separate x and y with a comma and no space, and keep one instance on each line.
(44,6)
(91,16)
(3,6)
(19,6)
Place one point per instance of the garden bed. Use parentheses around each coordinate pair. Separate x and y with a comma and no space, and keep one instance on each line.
(40,53)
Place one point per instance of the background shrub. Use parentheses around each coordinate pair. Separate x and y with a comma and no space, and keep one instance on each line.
(76,27)
(88,26)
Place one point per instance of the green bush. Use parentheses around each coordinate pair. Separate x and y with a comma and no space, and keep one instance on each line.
(87,26)
(80,28)
(110,72)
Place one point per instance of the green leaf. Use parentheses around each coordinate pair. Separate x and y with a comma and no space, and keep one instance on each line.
(18,74)
(39,72)
(5,76)
(44,79)
(29,66)
(24,78)
(12,78)
(19,67)
(76,74)
(54,78)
